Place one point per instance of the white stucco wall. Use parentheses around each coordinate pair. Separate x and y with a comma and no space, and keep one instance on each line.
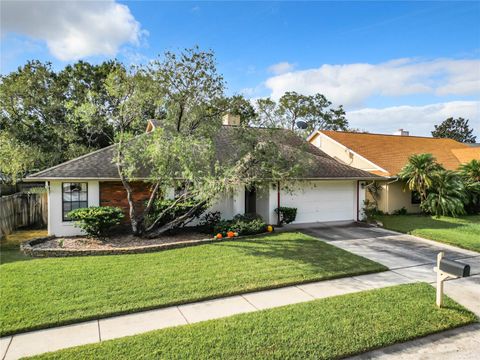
(316,201)
(229,205)
(56,226)
(263,202)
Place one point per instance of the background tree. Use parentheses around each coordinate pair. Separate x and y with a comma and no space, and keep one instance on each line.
(238,105)
(32,111)
(15,159)
(314,110)
(61,115)
(457,129)
(293,107)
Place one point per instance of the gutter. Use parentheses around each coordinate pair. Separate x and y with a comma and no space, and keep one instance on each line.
(58,178)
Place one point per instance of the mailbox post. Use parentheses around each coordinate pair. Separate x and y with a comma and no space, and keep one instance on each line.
(448,269)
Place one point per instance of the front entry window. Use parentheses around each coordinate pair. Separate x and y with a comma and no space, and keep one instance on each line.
(74,196)
(415,199)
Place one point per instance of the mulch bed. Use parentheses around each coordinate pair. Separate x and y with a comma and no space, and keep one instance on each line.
(115,245)
(117,242)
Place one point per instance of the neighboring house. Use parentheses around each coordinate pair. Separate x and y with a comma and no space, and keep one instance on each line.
(386,155)
(327,191)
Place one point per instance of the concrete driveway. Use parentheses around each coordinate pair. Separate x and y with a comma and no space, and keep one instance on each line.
(392,249)
(413,258)
(408,256)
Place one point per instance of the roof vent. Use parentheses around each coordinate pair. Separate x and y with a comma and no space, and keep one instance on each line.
(401,132)
(231,120)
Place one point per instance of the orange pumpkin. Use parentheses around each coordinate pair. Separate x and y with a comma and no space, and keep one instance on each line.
(218,236)
(230,234)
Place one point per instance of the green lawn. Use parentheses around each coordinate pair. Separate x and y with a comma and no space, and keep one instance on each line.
(48,292)
(463,232)
(10,246)
(321,329)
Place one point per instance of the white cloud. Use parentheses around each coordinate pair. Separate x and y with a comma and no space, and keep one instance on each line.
(419,120)
(73,29)
(281,68)
(352,84)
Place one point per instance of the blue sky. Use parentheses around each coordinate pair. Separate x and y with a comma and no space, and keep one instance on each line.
(385,61)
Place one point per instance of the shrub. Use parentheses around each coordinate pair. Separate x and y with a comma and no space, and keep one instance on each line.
(287,214)
(209,220)
(241,224)
(402,211)
(371,210)
(96,221)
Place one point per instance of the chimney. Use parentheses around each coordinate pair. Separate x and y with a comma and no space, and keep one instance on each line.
(231,120)
(401,132)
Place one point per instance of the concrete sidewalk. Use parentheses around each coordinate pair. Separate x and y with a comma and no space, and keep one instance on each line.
(37,342)
(391,253)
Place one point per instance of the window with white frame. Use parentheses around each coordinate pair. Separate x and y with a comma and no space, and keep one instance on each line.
(74,196)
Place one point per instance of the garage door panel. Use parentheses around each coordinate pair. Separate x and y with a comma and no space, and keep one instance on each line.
(322,201)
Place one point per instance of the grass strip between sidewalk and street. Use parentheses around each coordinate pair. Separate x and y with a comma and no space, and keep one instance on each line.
(321,329)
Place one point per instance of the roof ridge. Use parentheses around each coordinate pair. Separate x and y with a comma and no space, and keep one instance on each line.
(398,136)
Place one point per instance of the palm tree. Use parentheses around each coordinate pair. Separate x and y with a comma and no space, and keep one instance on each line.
(470,173)
(419,172)
(447,195)
(471,170)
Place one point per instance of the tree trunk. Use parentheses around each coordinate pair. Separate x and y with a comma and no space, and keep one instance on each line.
(131,206)
(179,220)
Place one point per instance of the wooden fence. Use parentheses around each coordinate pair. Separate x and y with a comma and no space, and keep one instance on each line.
(22,209)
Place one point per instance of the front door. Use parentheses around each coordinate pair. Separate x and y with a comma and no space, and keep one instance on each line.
(250,200)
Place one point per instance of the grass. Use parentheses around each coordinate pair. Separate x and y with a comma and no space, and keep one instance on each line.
(321,329)
(10,246)
(50,292)
(463,231)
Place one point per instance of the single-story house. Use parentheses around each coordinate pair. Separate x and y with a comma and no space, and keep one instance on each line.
(328,190)
(386,155)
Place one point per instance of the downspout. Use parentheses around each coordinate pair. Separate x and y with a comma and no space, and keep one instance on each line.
(358,200)
(278,203)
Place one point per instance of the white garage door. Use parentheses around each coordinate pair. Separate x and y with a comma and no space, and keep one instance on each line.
(322,201)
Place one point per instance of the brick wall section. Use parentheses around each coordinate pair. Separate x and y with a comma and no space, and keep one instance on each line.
(112,193)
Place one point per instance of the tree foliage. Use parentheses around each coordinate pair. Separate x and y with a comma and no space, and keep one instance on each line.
(470,174)
(15,158)
(446,196)
(455,128)
(183,152)
(443,192)
(419,173)
(61,115)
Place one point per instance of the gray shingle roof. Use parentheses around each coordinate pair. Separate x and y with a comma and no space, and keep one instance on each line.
(99,165)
